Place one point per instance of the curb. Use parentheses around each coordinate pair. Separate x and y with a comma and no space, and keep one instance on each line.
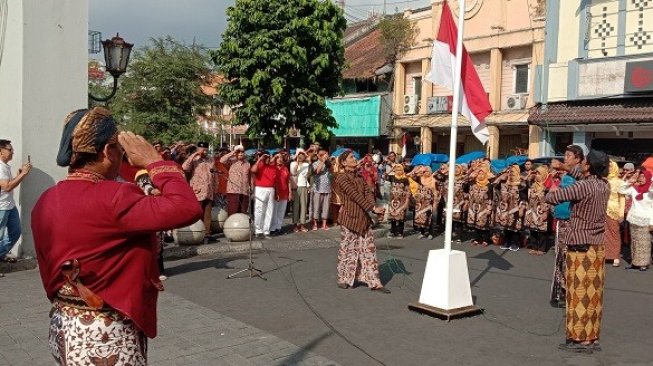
(189,251)
(183,252)
(21,265)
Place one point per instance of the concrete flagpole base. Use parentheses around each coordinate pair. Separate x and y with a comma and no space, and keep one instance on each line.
(446,291)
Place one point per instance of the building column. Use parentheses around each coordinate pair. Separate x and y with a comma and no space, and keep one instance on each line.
(496,68)
(395,145)
(426,136)
(34,100)
(399,88)
(583,140)
(493,142)
(426,91)
(534,138)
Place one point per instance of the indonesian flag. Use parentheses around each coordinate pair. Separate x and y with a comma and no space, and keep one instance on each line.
(474,103)
(404,144)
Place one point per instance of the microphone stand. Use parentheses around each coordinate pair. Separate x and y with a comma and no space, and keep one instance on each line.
(253,271)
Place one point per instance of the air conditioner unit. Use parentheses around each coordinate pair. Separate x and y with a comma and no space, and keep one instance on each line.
(411,104)
(516,102)
(439,104)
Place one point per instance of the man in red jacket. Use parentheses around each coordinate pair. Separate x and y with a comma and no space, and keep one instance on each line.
(96,245)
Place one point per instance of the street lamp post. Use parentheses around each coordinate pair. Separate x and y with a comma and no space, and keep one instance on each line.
(116,58)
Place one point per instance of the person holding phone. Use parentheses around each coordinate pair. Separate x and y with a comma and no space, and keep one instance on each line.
(10,228)
(96,245)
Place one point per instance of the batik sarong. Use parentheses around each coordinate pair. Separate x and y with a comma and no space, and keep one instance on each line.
(558,282)
(585,281)
(94,337)
(640,245)
(612,239)
(357,259)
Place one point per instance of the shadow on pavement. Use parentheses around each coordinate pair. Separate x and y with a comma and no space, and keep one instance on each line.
(390,267)
(494,261)
(217,263)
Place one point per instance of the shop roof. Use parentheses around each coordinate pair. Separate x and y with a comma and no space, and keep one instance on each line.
(595,111)
(364,57)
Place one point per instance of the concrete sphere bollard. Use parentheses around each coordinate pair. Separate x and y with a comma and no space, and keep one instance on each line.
(218,217)
(236,228)
(190,235)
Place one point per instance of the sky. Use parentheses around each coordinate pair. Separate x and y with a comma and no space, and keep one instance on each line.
(202,21)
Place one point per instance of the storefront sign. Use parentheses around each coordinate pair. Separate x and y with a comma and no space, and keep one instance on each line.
(639,77)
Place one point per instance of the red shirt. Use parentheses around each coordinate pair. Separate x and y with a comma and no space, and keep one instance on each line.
(113,236)
(265,176)
(282,184)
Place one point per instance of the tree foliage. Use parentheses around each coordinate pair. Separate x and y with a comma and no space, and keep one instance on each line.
(397,35)
(282,60)
(159,97)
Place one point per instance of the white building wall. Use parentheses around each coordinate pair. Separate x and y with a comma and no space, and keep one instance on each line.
(43,77)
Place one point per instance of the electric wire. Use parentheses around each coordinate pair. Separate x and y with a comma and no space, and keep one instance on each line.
(386,3)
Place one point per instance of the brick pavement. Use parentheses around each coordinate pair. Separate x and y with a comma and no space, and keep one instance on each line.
(189,334)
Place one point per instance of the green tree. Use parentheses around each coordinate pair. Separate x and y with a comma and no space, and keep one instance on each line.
(159,97)
(282,60)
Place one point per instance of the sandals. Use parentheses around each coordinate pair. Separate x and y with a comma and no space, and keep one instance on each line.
(382,290)
(9,260)
(343,286)
(615,263)
(577,347)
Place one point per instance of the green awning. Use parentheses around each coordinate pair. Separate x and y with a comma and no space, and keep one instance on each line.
(356,117)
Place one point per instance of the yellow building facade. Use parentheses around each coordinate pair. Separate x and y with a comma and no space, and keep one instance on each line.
(505,39)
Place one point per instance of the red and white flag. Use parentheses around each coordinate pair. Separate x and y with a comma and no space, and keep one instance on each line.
(474,103)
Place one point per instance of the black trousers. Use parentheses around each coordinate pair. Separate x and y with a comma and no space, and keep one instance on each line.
(457,230)
(397,227)
(538,240)
(160,259)
(482,235)
(512,237)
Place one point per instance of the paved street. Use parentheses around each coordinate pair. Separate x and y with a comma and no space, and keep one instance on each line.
(298,313)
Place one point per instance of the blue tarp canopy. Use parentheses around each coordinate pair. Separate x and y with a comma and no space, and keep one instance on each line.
(498,165)
(429,159)
(467,158)
(343,149)
(250,152)
(517,159)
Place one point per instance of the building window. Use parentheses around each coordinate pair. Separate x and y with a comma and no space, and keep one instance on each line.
(521,78)
(417,86)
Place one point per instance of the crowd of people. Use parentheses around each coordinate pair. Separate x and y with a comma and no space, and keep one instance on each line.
(505,208)
(103,279)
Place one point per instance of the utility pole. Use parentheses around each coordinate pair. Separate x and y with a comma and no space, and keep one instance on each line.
(384,3)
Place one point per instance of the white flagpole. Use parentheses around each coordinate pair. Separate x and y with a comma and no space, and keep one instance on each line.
(454,126)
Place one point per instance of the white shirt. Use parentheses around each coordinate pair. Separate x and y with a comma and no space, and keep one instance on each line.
(302,173)
(641,211)
(6,198)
